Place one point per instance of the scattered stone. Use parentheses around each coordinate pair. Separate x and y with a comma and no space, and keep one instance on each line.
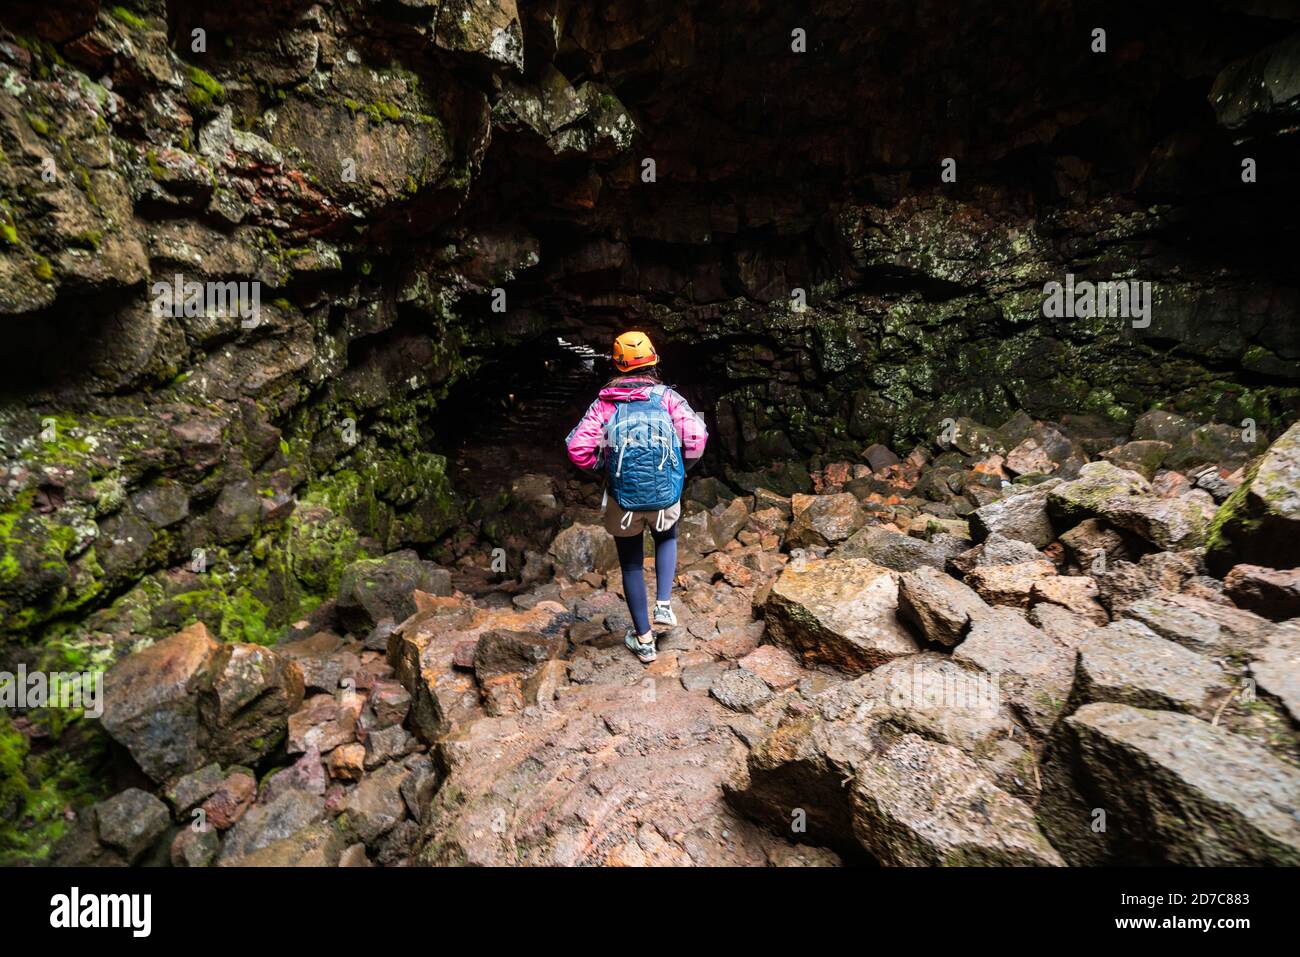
(501,651)
(879,457)
(376,806)
(324,722)
(316,657)
(347,762)
(740,690)
(151,702)
(386,745)
(776,666)
(1076,593)
(902,553)
(1022,516)
(189,791)
(1160,426)
(994,550)
(191,848)
(1061,624)
(374,589)
(1009,584)
(1097,483)
(229,802)
(583,548)
(131,821)
(939,607)
(824,519)
(1201,625)
(264,824)
(246,703)
(1143,456)
(317,845)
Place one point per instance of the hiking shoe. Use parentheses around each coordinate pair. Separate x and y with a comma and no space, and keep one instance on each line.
(663,614)
(645,653)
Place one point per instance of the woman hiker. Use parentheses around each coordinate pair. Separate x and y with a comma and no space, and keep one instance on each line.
(645,436)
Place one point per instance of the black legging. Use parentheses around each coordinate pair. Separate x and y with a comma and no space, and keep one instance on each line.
(631,553)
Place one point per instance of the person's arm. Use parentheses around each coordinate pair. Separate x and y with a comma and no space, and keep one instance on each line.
(690,427)
(586,443)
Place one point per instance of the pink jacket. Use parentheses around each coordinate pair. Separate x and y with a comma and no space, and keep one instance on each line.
(587,439)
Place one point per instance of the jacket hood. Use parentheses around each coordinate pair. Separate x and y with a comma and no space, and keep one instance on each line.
(627,392)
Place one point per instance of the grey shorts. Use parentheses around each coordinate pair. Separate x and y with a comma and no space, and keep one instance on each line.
(619,522)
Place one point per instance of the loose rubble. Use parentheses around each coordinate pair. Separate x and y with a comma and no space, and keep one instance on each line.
(848,682)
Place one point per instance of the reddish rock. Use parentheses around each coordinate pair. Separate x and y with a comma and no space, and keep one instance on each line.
(228,804)
(1009,584)
(347,762)
(774,665)
(1271,592)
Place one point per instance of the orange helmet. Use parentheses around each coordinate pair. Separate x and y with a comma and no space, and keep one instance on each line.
(633,350)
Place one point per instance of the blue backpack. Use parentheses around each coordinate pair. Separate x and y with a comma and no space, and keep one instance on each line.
(643,455)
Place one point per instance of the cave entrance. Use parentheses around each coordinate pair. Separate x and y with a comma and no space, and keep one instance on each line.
(513,413)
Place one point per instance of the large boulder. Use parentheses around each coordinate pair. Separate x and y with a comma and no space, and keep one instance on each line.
(1096,484)
(1123,785)
(1276,668)
(1033,670)
(1259,523)
(921,803)
(1199,624)
(187,701)
(1127,663)
(377,588)
(838,612)
(876,769)
(151,702)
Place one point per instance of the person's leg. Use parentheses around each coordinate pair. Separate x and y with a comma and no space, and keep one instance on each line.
(665,562)
(630,558)
(665,571)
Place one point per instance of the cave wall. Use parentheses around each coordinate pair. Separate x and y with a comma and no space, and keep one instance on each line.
(158,468)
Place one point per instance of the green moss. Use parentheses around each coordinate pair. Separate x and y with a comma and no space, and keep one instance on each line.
(130,19)
(381,110)
(9,233)
(90,239)
(39,125)
(203,90)
(42,269)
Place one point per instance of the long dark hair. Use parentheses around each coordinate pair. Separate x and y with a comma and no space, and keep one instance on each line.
(623,378)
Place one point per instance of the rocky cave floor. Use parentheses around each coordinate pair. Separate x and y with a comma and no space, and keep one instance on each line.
(960,656)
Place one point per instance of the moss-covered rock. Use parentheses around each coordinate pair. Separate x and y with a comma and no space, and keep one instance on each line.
(1260,521)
